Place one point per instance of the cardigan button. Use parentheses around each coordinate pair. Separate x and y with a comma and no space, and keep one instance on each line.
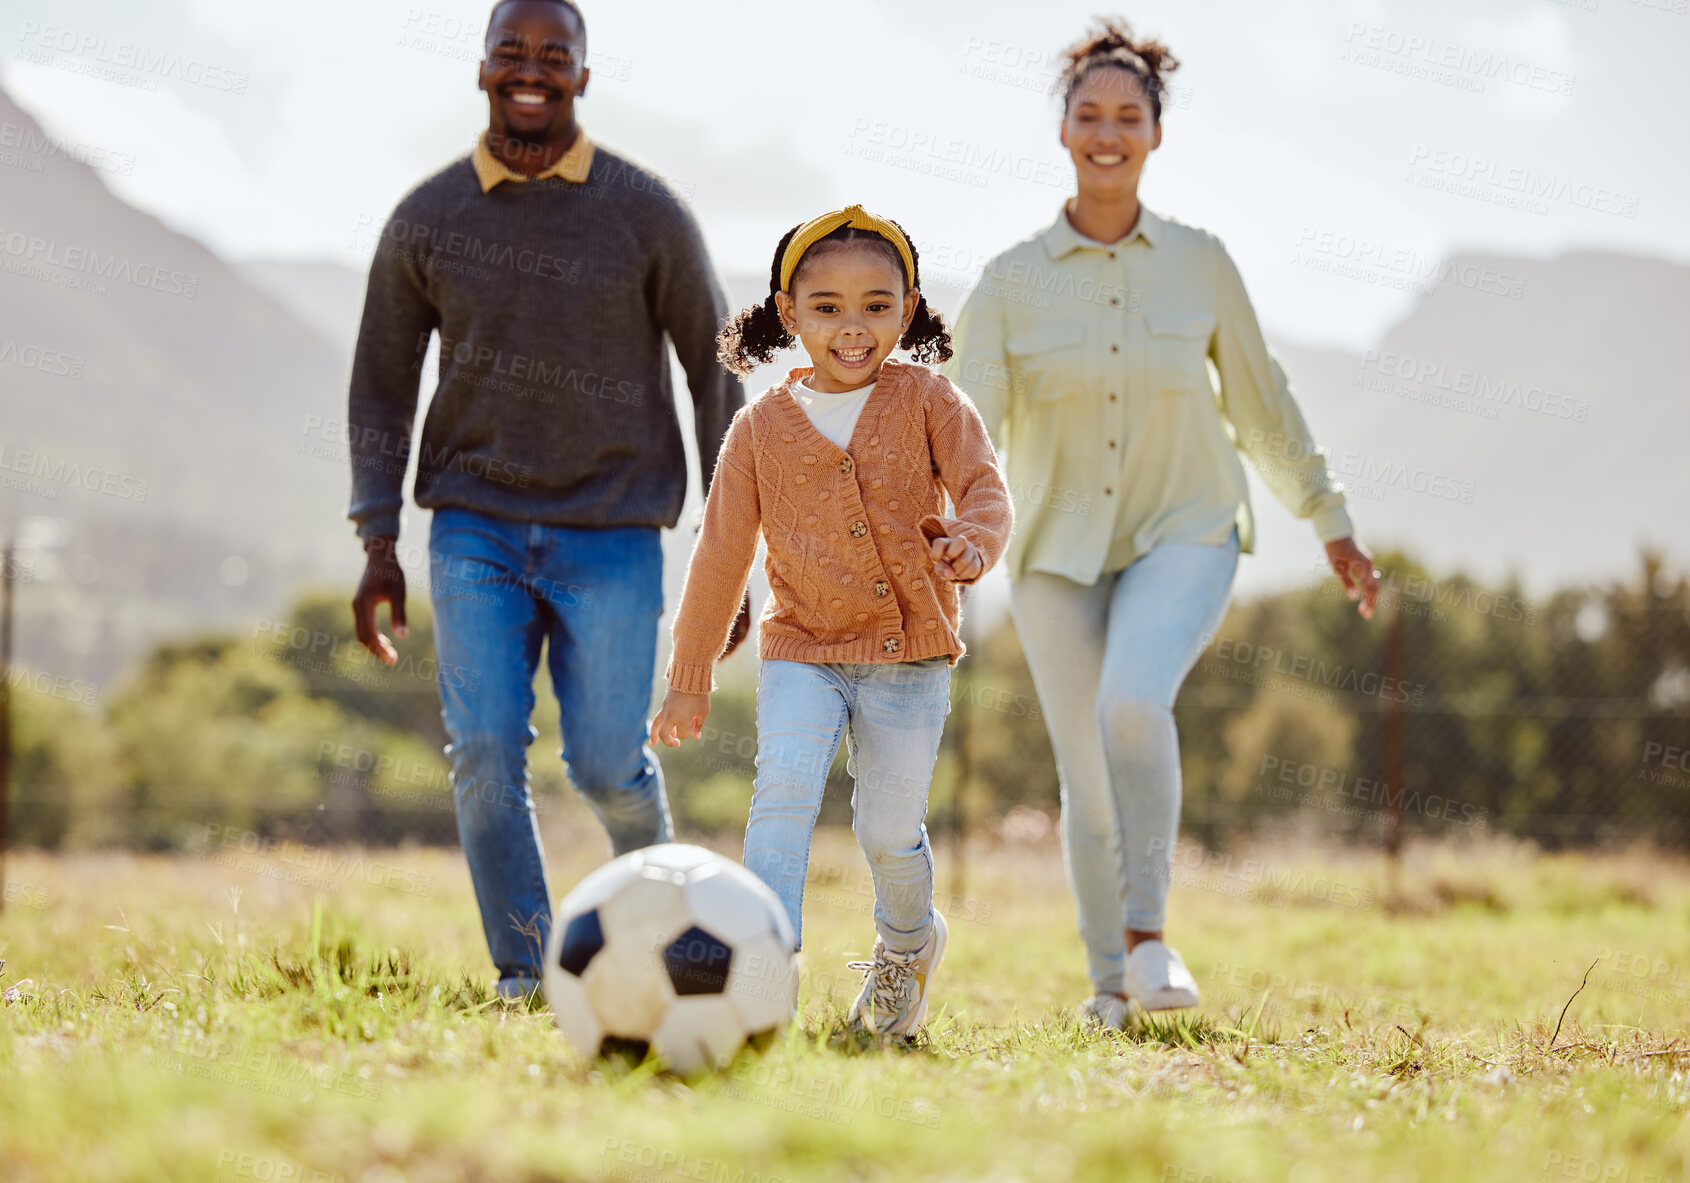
(890,644)
(858,529)
(845,465)
(881,587)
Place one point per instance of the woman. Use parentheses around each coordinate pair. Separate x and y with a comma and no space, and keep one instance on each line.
(1087,348)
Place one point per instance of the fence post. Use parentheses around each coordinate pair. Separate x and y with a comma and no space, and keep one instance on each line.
(1393,737)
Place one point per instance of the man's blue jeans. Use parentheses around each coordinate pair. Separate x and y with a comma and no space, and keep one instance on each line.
(500,588)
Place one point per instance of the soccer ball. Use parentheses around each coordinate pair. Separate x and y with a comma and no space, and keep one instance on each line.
(675,949)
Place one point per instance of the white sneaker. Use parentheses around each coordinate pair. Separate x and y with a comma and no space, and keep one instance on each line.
(894,995)
(1105,1010)
(1157,978)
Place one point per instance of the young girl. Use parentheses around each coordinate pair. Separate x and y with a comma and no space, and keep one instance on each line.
(844,468)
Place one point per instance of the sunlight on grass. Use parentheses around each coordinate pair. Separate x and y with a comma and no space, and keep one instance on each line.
(167,1018)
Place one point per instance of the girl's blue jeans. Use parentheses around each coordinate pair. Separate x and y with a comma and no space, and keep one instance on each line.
(891,718)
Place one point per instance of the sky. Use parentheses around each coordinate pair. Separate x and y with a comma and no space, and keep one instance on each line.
(1530,127)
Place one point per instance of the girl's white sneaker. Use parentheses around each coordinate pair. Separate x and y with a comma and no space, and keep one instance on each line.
(894,996)
(1157,978)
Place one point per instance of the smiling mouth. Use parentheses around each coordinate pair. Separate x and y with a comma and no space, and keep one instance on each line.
(1107,160)
(529,98)
(852,358)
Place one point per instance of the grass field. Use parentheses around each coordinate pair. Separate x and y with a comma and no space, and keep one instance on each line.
(306,1017)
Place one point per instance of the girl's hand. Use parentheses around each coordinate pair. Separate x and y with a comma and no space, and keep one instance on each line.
(1354,567)
(956,559)
(683,711)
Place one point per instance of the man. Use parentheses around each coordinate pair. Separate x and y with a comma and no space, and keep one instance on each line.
(551,268)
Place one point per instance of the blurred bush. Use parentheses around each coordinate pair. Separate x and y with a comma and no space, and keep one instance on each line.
(1556,720)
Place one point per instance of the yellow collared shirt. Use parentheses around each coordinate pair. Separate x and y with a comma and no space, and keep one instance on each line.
(573,165)
(1094,366)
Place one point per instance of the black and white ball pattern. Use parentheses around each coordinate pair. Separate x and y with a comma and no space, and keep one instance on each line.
(672,948)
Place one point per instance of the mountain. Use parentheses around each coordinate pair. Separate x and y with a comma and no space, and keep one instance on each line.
(156,405)
(1543,432)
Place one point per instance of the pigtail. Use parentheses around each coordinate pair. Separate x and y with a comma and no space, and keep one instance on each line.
(927,338)
(753,336)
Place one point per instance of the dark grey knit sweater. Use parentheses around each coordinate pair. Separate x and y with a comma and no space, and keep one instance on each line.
(551,299)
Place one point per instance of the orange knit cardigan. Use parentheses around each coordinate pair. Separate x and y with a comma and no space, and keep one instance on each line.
(847,529)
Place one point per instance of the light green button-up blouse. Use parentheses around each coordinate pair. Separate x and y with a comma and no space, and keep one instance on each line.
(1094,366)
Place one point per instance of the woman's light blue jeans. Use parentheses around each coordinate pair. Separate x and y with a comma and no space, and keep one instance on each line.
(891,717)
(1108,661)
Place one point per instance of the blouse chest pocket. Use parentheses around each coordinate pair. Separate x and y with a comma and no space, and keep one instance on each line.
(1048,361)
(1176,349)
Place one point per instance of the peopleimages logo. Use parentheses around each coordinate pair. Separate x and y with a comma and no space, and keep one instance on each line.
(129,55)
(86,260)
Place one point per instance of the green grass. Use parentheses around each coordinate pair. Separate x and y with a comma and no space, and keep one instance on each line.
(186,1018)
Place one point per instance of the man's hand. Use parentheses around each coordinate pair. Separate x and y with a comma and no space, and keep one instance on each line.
(384,580)
(680,711)
(742,626)
(1354,567)
(956,559)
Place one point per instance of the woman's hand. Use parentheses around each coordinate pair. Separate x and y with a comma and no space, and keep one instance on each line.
(956,559)
(686,712)
(1354,567)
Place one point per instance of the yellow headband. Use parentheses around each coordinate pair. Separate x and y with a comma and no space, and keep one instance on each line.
(816,229)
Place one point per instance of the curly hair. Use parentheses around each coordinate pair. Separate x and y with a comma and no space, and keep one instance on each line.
(1110,43)
(753,336)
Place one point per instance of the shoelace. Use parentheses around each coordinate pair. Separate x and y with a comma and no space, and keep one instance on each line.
(893,973)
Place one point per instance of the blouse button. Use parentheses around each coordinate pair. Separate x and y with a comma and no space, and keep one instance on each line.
(881,587)
(845,465)
(858,529)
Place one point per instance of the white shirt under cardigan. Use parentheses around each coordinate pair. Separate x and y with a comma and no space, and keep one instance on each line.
(834,415)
